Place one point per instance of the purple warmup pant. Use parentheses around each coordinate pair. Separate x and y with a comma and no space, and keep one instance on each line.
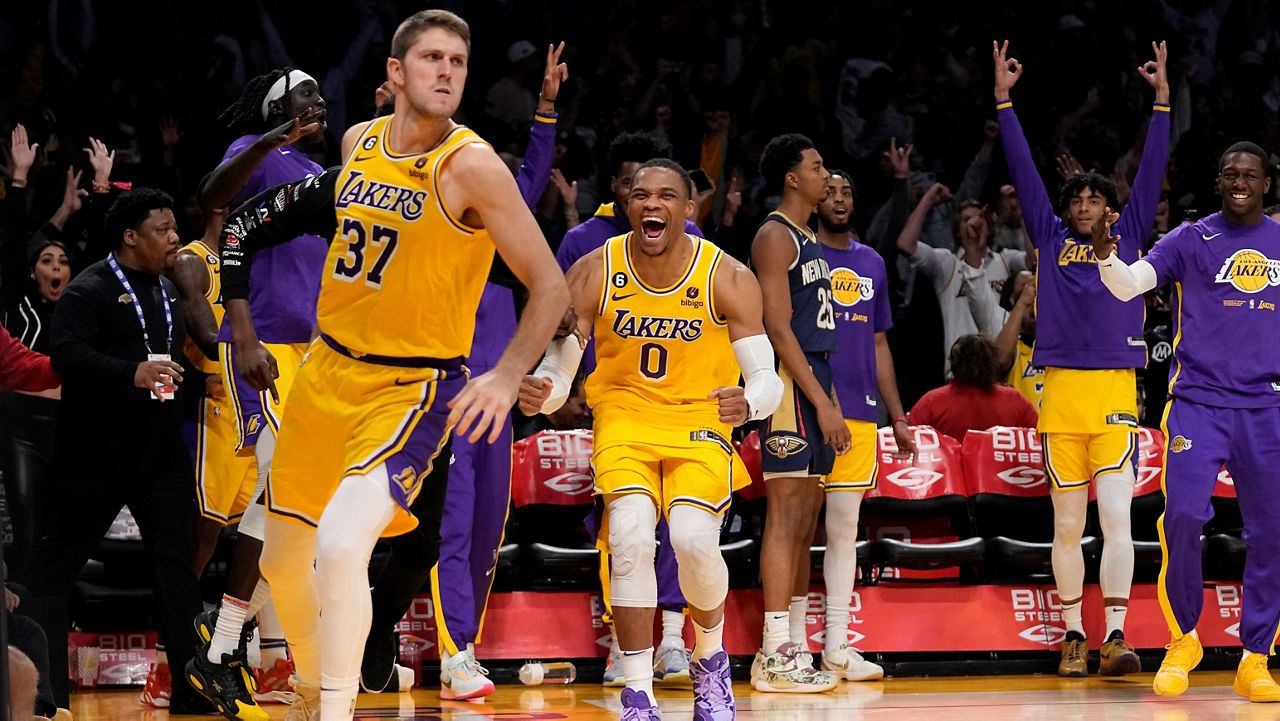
(476,503)
(1247,441)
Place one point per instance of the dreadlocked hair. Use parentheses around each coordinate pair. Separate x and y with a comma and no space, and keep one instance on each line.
(245,114)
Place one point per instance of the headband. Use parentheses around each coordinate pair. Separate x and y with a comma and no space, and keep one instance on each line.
(293,79)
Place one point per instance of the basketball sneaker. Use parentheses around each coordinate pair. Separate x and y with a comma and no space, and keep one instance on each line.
(378,666)
(462,677)
(785,671)
(275,684)
(846,663)
(1254,681)
(229,685)
(757,667)
(1117,657)
(613,676)
(1075,656)
(713,689)
(307,707)
(159,686)
(1182,656)
(671,665)
(637,707)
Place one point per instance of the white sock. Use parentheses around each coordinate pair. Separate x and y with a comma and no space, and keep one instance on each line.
(797,628)
(1115,619)
(776,631)
(637,669)
(837,630)
(274,647)
(1071,617)
(226,635)
(672,629)
(707,641)
(338,702)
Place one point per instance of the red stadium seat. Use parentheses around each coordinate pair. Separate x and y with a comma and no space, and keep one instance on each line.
(923,503)
(551,487)
(1011,505)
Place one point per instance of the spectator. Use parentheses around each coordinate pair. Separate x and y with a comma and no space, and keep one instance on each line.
(116,360)
(510,102)
(973,400)
(1017,338)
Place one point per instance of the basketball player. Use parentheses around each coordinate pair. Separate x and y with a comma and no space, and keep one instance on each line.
(416,213)
(863,367)
(800,441)
(1089,345)
(1224,405)
(279,113)
(676,321)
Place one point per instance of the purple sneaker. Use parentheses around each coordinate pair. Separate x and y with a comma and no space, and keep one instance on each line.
(713,689)
(636,706)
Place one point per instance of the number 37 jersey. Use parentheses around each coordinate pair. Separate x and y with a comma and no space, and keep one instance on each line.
(659,353)
(404,275)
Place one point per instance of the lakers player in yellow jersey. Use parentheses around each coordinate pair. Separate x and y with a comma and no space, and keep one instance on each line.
(415,215)
(676,321)
(1016,341)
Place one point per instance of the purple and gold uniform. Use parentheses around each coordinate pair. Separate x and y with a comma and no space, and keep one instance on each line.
(859,291)
(1224,409)
(791,440)
(1088,342)
(282,299)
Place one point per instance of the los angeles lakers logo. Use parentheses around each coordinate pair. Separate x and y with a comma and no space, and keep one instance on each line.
(783,446)
(1249,271)
(849,288)
(407,479)
(1179,444)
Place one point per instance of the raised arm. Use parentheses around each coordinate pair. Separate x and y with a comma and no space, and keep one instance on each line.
(1037,209)
(481,186)
(1007,340)
(220,186)
(536,169)
(1139,215)
(909,238)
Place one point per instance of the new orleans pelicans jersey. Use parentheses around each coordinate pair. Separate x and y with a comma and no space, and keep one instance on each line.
(404,274)
(659,353)
(813,318)
(213,266)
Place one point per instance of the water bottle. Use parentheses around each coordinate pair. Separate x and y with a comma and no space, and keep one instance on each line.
(534,674)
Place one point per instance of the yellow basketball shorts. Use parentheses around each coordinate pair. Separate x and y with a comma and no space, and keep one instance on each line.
(703,474)
(224,481)
(256,410)
(1088,424)
(856,470)
(346,417)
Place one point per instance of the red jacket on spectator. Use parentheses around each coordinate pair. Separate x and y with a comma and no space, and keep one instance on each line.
(955,410)
(22,369)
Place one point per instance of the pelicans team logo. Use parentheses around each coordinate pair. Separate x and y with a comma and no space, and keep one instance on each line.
(783,446)
(1179,444)
(849,288)
(1249,271)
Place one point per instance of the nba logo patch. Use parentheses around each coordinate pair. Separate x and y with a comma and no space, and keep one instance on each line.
(783,446)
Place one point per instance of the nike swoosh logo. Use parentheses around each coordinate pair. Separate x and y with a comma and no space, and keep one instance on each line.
(615,297)
(1210,237)
(359,159)
(400,382)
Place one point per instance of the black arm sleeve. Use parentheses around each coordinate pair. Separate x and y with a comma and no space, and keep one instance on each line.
(273,217)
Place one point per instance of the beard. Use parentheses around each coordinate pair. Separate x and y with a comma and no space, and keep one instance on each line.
(832,226)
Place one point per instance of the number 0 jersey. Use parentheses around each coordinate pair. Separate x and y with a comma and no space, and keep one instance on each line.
(659,353)
(404,275)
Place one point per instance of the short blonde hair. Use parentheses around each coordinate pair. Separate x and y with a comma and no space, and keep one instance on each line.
(422,21)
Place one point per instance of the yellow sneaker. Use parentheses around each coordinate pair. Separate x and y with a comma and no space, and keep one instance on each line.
(1253,680)
(1184,654)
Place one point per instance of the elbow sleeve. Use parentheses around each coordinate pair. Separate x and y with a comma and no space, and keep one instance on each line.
(763,389)
(1127,281)
(560,364)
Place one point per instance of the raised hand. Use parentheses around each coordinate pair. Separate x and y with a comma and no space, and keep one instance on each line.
(732,200)
(72,194)
(937,194)
(1104,243)
(21,155)
(1153,71)
(1068,165)
(308,123)
(555,73)
(101,161)
(1008,69)
(1123,188)
(170,135)
(899,159)
(990,131)
(568,191)
(1027,297)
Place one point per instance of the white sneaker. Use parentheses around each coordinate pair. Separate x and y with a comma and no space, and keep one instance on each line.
(307,706)
(671,665)
(785,671)
(462,677)
(846,663)
(613,677)
(757,667)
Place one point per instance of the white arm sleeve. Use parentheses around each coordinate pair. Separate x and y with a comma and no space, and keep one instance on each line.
(560,364)
(1126,281)
(763,386)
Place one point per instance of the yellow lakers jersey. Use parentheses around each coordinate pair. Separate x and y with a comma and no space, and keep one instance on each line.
(1025,377)
(659,352)
(404,275)
(213,295)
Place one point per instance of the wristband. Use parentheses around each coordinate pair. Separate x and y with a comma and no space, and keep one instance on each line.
(902,419)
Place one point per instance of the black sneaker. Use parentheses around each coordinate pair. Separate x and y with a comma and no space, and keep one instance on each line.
(229,685)
(378,668)
(206,622)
